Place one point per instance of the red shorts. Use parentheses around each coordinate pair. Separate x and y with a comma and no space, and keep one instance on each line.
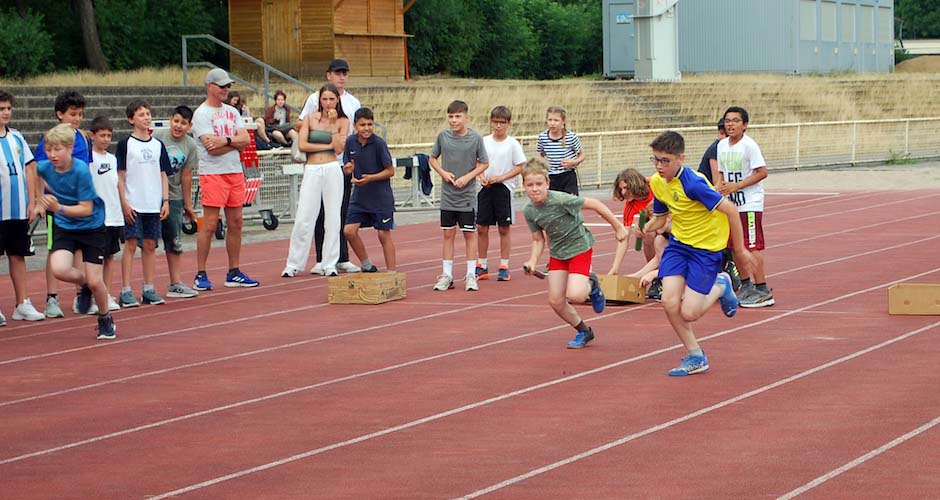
(752,225)
(579,264)
(222,190)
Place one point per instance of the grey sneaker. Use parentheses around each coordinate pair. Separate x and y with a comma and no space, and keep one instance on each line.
(151,297)
(758,299)
(471,282)
(180,291)
(444,282)
(52,308)
(127,299)
(746,290)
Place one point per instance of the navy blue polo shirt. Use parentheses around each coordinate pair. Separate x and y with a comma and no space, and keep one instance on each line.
(370,158)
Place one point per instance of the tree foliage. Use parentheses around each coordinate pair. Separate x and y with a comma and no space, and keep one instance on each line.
(25,47)
(921,18)
(505,38)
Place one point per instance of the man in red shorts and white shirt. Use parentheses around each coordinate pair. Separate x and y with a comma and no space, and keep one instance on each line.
(221,136)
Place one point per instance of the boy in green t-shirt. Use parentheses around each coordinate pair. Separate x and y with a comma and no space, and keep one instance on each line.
(570,278)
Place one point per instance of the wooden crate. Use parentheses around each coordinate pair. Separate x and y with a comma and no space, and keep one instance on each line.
(914,298)
(622,289)
(366,288)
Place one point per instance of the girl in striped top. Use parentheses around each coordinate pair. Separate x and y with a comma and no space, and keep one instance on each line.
(562,149)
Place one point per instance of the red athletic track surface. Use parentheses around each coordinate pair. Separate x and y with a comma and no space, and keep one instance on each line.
(272,393)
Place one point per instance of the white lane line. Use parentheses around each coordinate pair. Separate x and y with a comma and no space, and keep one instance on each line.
(803,193)
(695,414)
(504,396)
(296,390)
(860,460)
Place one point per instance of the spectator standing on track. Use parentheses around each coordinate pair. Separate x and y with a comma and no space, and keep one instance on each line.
(104,175)
(69,108)
(79,214)
(556,216)
(220,136)
(322,136)
(142,164)
(562,149)
(181,149)
(497,185)
(701,222)
(458,156)
(336,73)
(16,212)
(372,202)
(743,171)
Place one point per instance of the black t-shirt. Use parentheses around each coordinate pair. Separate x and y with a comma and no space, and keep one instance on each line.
(705,166)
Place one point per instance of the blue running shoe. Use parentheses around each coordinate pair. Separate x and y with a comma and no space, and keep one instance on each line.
(690,366)
(238,278)
(597,295)
(729,301)
(202,282)
(83,304)
(106,328)
(581,339)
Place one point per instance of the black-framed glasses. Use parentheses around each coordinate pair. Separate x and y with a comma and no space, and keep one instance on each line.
(656,160)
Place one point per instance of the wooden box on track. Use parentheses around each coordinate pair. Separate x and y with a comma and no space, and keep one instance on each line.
(622,289)
(914,298)
(366,288)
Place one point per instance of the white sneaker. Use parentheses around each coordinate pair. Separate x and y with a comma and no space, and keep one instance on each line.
(290,272)
(348,267)
(3,320)
(91,312)
(330,271)
(444,282)
(317,269)
(113,304)
(471,282)
(26,312)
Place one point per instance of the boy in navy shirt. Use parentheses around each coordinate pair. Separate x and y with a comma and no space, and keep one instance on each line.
(79,223)
(367,158)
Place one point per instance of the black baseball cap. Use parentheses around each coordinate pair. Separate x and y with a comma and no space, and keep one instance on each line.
(338,65)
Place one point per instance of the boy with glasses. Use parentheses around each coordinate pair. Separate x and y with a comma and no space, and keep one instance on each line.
(701,222)
(743,171)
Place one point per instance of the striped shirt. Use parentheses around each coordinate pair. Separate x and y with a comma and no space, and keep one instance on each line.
(16,155)
(555,150)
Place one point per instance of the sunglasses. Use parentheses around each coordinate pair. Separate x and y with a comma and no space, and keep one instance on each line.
(223,86)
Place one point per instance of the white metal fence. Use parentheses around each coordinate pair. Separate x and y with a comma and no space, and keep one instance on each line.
(791,145)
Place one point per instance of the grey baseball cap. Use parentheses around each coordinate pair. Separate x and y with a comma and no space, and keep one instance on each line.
(219,77)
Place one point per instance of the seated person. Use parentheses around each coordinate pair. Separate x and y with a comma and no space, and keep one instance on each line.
(275,128)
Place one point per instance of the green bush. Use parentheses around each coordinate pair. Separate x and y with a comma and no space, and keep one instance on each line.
(25,47)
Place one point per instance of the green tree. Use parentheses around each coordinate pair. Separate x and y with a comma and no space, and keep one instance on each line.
(25,47)
(506,40)
(921,18)
(446,36)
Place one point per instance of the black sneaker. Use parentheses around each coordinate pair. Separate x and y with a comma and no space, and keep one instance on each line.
(372,269)
(655,291)
(84,300)
(106,328)
(732,271)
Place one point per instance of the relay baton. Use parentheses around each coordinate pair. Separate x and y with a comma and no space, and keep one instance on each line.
(534,272)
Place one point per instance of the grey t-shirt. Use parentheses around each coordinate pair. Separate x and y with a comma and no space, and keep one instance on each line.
(224,121)
(182,154)
(459,154)
(560,217)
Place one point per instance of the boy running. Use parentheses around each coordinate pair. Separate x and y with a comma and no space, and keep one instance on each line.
(372,203)
(182,151)
(743,171)
(497,187)
(464,158)
(142,184)
(79,223)
(701,221)
(570,278)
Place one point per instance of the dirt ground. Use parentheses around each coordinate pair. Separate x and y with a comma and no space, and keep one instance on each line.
(920,64)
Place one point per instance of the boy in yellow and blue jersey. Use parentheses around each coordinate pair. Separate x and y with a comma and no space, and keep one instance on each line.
(701,222)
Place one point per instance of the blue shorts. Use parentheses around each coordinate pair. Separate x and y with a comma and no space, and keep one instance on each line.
(145,227)
(170,228)
(698,267)
(381,221)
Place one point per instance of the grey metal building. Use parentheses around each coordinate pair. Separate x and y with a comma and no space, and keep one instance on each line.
(781,36)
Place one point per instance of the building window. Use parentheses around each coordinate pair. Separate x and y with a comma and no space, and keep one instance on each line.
(866,24)
(885,26)
(848,23)
(827,21)
(808,20)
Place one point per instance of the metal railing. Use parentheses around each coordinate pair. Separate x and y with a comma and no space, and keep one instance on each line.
(785,146)
(267,69)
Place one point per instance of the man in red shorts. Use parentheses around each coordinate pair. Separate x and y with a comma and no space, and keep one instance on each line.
(221,135)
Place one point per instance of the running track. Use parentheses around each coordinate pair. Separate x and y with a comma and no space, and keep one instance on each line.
(271,393)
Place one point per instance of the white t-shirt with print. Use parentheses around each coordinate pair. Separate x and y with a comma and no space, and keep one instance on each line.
(104,174)
(223,121)
(738,162)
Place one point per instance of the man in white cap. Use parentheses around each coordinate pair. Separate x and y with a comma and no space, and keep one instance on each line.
(336,73)
(221,135)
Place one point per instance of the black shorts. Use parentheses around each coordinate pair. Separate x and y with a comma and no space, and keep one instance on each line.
(566,182)
(451,219)
(114,238)
(494,206)
(91,242)
(14,238)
